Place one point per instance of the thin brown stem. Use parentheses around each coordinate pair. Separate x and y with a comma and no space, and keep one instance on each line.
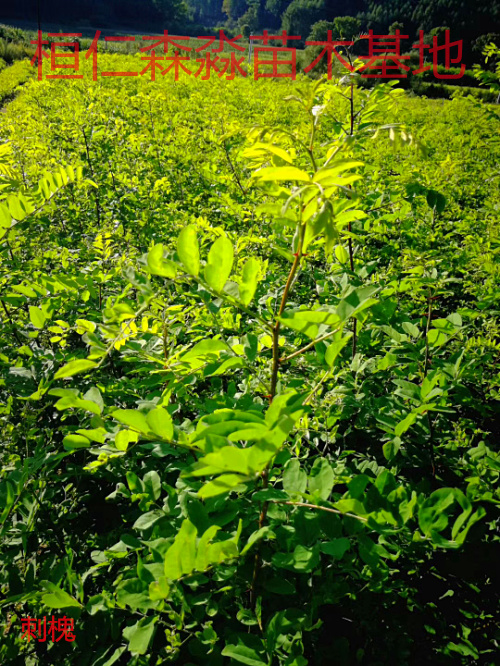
(354,320)
(276,327)
(307,347)
(10,251)
(258,561)
(154,136)
(322,508)
(234,172)
(311,142)
(349,241)
(426,365)
(318,385)
(351,100)
(274,382)
(429,315)
(96,192)
(164,339)
(13,326)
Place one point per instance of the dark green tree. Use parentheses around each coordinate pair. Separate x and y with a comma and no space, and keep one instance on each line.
(174,12)
(300,15)
(344,28)
(252,17)
(234,9)
(277,7)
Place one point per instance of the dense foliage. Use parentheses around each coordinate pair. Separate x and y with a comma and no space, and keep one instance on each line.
(249,373)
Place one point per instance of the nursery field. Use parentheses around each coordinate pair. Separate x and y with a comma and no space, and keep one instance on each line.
(249,373)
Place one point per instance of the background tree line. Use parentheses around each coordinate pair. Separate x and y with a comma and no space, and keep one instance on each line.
(468,20)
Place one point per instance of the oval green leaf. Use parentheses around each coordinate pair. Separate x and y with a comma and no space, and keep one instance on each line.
(188,250)
(219,263)
(74,367)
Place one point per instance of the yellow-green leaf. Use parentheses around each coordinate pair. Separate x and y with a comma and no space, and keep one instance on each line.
(157,265)
(160,422)
(188,250)
(74,368)
(249,280)
(281,173)
(37,317)
(219,263)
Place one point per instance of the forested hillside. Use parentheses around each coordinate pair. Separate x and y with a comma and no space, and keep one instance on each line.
(469,20)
